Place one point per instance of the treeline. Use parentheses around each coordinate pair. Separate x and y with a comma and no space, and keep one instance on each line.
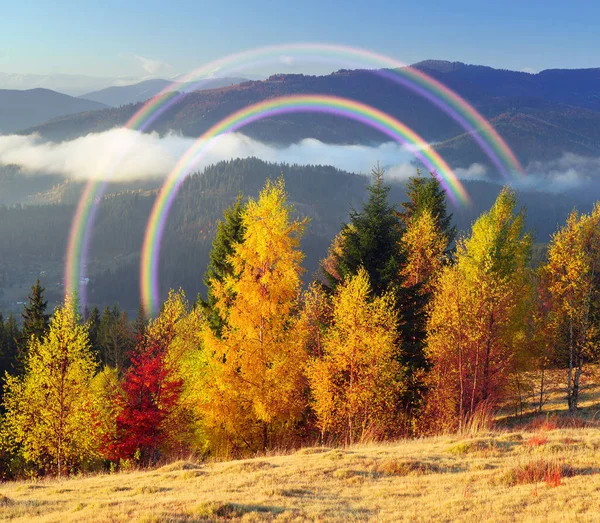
(33,239)
(408,331)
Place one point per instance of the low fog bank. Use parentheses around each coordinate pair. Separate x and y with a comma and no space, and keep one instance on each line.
(123,155)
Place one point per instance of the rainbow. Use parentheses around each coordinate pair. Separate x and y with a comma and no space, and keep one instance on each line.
(438,94)
(288,104)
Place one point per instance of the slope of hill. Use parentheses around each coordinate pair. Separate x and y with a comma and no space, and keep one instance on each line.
(503,476)
(528,110)
(20,109)
(577,87)
(116,96)
(34,238)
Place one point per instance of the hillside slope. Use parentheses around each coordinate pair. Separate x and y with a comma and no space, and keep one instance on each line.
(21,109)
(519,476)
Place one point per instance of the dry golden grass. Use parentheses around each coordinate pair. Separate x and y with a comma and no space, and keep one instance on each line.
(493,477)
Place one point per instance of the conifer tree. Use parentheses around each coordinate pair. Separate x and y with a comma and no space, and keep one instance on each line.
(255,387)
(115,337)
(141,323)
(11,338)
(229,232)
(371,240)
(50,411)
(92,324)
(427,194)
(35,319)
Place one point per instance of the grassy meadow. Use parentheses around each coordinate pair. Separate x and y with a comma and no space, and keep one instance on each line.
(529,468)
(545,474)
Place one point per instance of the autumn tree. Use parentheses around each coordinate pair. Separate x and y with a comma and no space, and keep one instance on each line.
(477,321)
(255,388)
(146,426)
(573,278)
(357,380)
(50,411)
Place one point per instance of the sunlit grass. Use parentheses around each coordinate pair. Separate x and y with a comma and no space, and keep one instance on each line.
(496,476)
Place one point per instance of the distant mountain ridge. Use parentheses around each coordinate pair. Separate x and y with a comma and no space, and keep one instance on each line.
(116,96)
(541,116)
(20,109)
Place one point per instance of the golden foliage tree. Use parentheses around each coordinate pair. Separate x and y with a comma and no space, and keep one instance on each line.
(357,381)
(477,318)
(573,276)
(51,413)
(254,382)
(425,246)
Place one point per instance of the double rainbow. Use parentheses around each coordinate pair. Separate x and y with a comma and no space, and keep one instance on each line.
(288,104)
(438,94)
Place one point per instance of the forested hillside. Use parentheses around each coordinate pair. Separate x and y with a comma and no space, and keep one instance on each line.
(34,238)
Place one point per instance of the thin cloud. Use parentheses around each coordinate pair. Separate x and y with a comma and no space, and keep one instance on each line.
(152,66)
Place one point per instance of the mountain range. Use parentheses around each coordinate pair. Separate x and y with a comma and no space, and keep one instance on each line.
(116,96)
(541,116)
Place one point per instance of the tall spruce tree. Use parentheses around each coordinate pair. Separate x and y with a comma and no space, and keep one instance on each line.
(371,240)
(230,231)
(35,319)
(427,194)
(12,335)
(92,322)
(426,199)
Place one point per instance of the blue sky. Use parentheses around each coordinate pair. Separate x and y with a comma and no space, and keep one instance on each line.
(113,38)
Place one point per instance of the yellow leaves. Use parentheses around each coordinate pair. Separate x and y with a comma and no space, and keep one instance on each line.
(478,315)
(52,413)
(425,246)
(255,370)
(356,382)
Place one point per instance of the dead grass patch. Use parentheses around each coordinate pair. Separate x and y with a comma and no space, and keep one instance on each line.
(549,471)
(397,467)
(5,501)
(313,450)
(226,510)
(179,465)
(250,466)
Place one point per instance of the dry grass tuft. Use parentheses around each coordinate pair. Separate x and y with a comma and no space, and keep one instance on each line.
(313,450)
(225,510)
(250,466)
(550,471)
(5,501)
(537,441)
(396,467)
(478,446)
(179,465)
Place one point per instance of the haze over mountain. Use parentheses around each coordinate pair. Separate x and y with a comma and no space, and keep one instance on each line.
(72,84)
(541,116)
(116,96)
(19,109)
